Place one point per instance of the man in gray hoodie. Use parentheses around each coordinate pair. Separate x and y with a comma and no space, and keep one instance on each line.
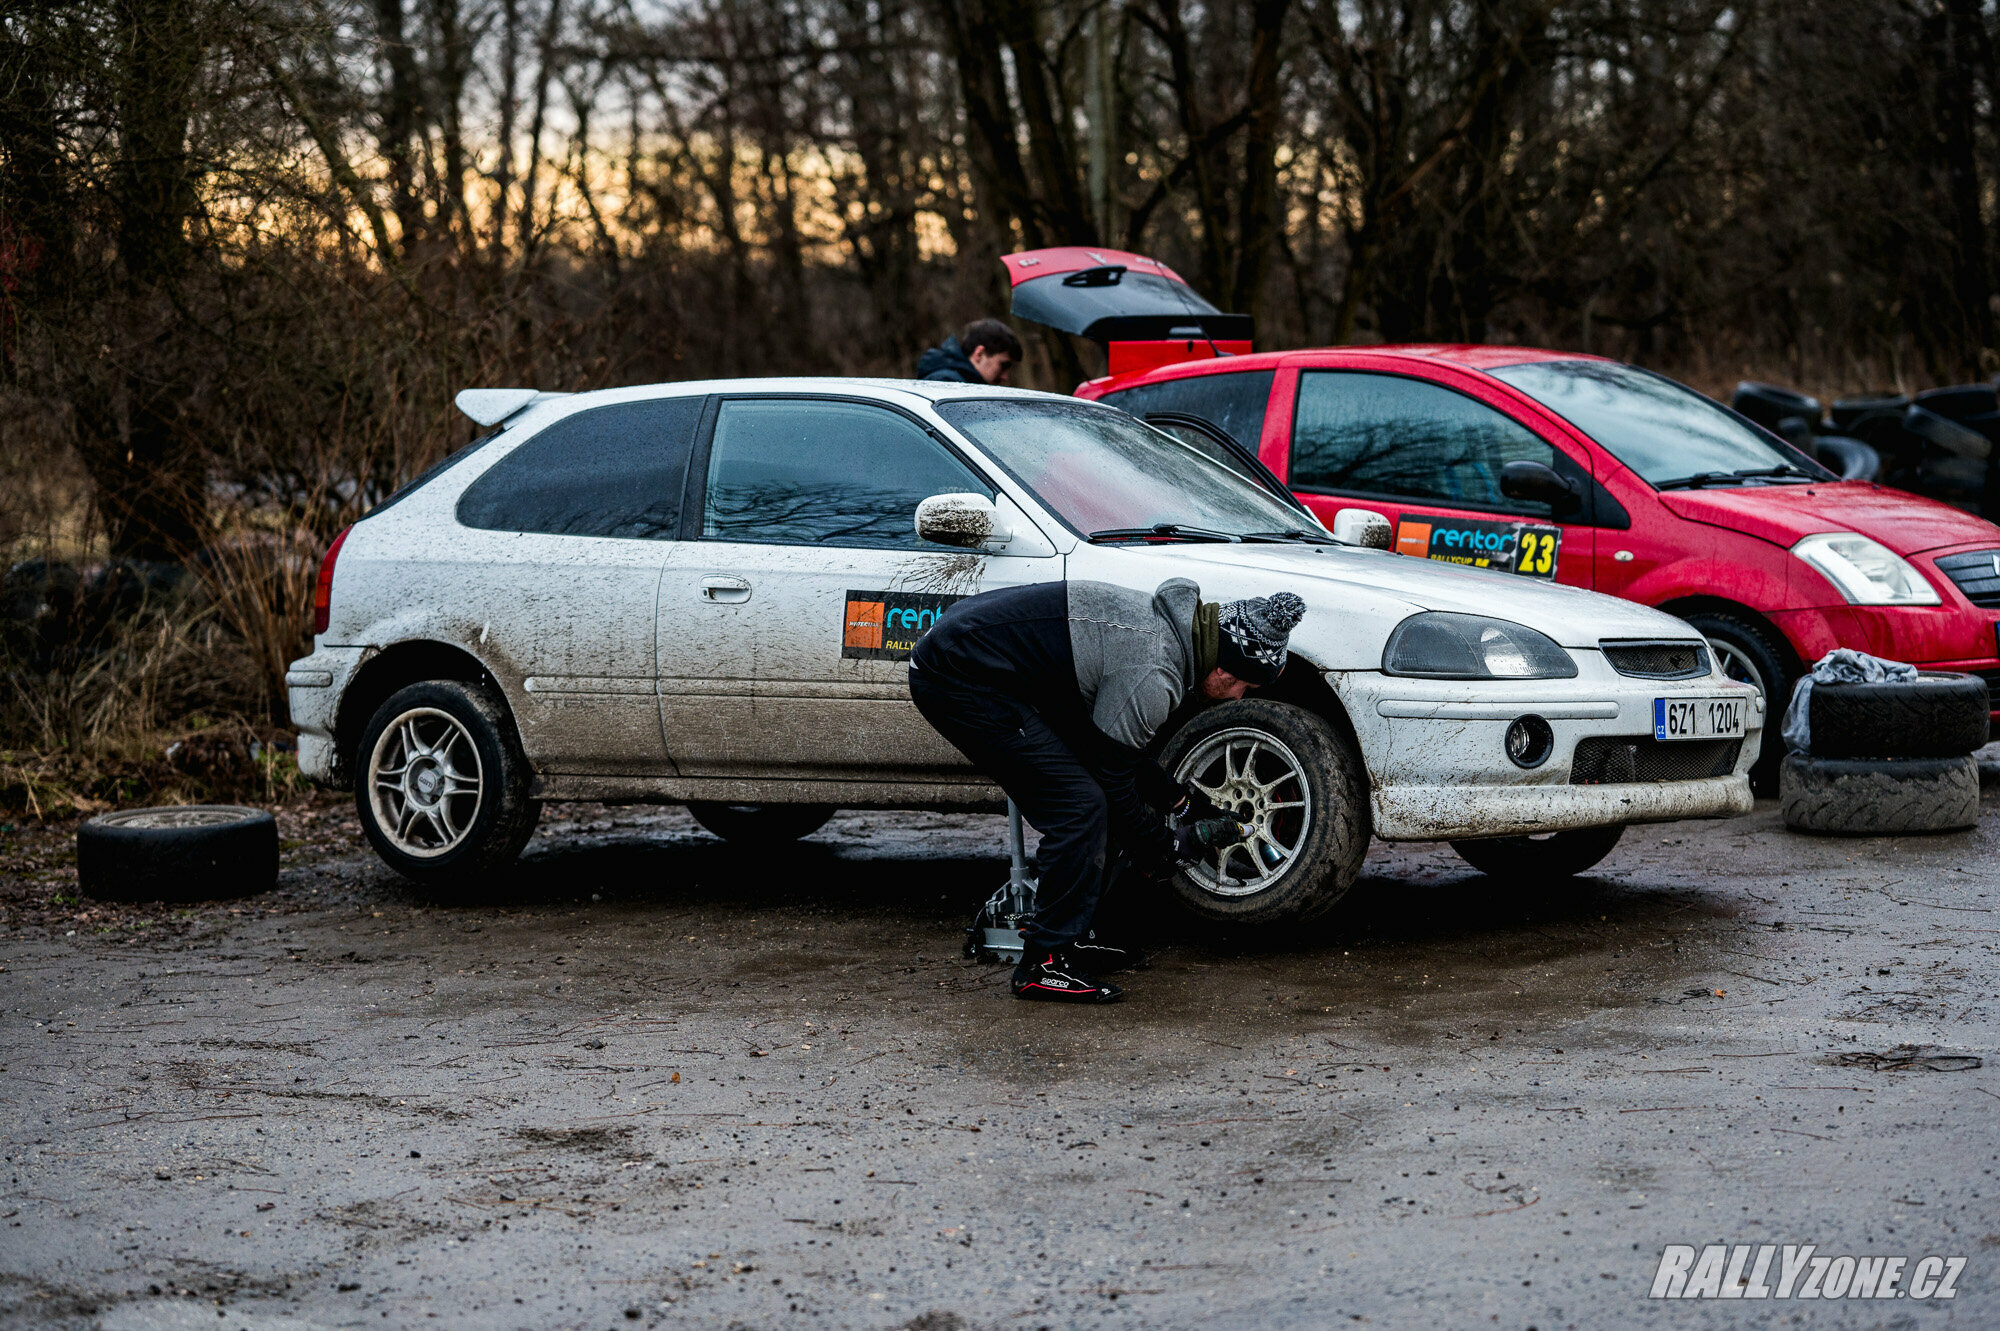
(1055,690)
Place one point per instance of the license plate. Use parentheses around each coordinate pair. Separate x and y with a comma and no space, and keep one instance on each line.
(1699,718)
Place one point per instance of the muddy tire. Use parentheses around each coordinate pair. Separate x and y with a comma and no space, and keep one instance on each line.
(1534,858)
(442,787)
(1750,652)
(1300,784)
(1869,797)
(1931,716)
(1849,459)
(1961,441)
(766,823)
(188,852)
(1769,405)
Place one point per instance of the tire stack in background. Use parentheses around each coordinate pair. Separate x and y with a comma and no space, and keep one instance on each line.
(1889,758)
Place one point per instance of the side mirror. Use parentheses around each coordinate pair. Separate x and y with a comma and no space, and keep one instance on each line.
(1362,526)
(1536,483)
(968,521)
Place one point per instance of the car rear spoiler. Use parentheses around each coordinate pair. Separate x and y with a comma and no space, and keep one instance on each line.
(1139,310)
(490,406)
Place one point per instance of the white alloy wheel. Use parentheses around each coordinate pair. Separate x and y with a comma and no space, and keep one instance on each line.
(1258,779)
(424,782)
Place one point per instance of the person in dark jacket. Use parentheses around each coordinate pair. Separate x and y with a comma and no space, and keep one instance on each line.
(1055,690)
(984,352)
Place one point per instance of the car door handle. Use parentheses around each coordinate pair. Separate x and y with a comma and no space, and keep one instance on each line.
(728,591)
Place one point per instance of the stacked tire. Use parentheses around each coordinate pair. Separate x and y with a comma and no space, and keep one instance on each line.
(1889,759)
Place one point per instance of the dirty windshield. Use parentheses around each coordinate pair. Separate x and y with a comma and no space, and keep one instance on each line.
(1108,475)
(1672,436)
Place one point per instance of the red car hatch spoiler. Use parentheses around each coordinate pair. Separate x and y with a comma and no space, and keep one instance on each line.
(1139,310)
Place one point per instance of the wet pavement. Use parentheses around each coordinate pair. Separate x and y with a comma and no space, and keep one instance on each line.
(661,1080)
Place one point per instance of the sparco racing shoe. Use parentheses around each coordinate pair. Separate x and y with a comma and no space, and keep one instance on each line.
(1055,978)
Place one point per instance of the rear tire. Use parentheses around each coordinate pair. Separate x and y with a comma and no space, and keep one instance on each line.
(1555,855)
(442,787)
(1749,652)
(1868,797)
(765,823)
(1302,787)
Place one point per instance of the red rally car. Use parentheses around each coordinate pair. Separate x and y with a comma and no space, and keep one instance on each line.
(1555,465)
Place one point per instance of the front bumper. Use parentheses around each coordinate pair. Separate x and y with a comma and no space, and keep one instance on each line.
(314,686)
(1955,636)
(1438,766)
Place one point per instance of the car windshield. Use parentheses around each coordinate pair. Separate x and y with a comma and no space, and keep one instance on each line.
(1113,477)
(1672,436)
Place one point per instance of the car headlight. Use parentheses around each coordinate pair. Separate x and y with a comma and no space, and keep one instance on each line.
(1865,572)
(1442,645)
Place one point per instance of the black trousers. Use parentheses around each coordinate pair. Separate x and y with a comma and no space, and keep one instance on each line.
(1013,743)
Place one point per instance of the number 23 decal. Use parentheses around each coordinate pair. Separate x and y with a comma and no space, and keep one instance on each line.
(1538,554)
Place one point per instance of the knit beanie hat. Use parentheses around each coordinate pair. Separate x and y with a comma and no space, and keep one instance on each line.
(1254,634)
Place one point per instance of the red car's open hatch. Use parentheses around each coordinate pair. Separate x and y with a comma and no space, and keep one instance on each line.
(1136,308)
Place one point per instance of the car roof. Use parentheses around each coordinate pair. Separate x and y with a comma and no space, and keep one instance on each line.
(1466,355)
(830,385)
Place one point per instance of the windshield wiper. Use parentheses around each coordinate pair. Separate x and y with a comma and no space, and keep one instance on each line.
(1782,469)
(1295,534)
(1699,479)
(1170,530)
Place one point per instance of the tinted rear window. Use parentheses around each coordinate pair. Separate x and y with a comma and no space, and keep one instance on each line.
(1234,403)
(608,471)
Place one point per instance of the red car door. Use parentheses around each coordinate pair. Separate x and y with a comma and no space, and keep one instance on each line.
(1424,445)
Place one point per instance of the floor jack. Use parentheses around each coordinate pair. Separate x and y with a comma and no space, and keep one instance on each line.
(995,932)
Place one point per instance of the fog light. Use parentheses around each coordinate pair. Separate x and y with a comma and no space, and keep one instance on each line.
(1530,741)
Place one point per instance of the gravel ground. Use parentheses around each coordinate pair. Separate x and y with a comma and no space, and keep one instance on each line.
(656,1079)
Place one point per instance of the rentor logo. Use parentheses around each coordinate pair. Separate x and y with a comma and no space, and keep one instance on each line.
(885,626)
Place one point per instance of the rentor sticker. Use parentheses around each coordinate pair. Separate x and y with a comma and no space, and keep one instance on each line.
(885,626)
(1528,548)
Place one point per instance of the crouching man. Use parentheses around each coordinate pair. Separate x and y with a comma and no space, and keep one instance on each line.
(1054,690)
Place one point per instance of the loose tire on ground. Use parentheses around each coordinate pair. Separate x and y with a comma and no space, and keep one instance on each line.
(1314,823)
(1749,652)
(1528,858)
(188,852)
(1871,797)
(1932,716)
(1768,404)
(442,787)
(761,822)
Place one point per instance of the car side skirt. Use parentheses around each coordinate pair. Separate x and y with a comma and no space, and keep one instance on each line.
(936,796)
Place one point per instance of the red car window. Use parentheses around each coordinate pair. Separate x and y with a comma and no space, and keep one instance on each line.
(1361,433)
(1232,401)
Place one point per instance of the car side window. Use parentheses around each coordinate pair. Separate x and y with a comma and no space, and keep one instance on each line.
(802,472)
(617,471)
(1233,402)
(1382,434)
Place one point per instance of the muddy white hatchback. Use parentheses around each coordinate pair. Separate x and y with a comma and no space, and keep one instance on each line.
(706,593)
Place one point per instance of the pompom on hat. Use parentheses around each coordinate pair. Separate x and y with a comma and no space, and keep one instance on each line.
(1254,635)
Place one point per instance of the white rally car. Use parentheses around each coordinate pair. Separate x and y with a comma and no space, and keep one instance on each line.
(706,593)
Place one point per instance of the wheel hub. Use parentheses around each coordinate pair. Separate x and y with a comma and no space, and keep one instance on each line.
(425,781)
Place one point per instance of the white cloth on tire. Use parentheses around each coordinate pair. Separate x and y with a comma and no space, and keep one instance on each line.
(1842,665)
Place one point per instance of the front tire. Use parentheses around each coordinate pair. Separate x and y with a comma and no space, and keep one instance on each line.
(1301,787)
(1747,652)
(761,823)
(1556,855)
(441,785)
